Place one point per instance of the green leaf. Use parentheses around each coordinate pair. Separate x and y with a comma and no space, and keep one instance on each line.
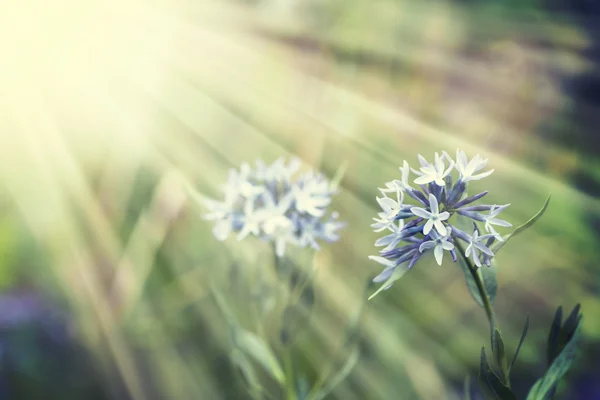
(339,376)
(523,227)
(488,275)
(498,351)
(247,369)
(256,348)
(572,321)
(525,329)
(397,274)
(552,350)
(546,385)
(491,384)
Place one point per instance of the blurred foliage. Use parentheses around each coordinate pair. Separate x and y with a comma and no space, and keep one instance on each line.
(103,135)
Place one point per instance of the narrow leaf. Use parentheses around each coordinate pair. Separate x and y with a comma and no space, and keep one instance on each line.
(525,329)
(572,321)
(554,335)
(397,274)
(498,350)
(523,227)
(547,384)
(339,377)
(246,368)
(491,384)
(257,349)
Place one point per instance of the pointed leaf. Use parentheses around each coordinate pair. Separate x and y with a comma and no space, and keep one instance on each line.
(525,329)
(491,384)
(397,274)
(523,227)
(552,349)
(547,384)
(339,377)
(256,348)
(247,369)
(498,351)
(572,321)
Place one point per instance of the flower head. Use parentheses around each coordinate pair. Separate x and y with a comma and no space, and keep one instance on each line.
(415,229)
(435,172)
(467,168)
(267,202)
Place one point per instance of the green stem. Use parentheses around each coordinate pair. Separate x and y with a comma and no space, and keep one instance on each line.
(286,350)
(485,299)
(487,305)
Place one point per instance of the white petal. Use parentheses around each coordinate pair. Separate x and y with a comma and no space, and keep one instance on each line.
(500,222)
(427,227)
(420,212)
(440,227)
(476,259)
(481,176)
(447,246)
(382,261)
(433,204)
(439,164)
(422,160)
(468,250)
(424,179)
(438,252)
(280,248)
(444,216)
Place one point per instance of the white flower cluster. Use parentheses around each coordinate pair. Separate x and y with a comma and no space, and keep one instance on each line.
(267,202)
(426,225)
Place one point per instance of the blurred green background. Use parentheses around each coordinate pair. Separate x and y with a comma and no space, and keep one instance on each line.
(110,109)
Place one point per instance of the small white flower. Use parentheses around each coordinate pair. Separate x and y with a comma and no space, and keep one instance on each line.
(389,206)
(399,185)
(467,168)
(252,220)
(491,220)
(435,172)
(265,202)
(312,195)
(433,216)
(476,245)
(439,244)
(280,230)
(393,238)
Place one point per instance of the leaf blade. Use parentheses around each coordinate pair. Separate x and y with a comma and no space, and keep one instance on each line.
(523,335)
(524,226)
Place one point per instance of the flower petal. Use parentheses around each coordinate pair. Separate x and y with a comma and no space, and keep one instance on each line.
(440,227)
(427,227)
(420,212)
(433,204)
(438,252)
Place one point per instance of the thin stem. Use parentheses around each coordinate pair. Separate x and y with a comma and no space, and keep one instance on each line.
(485,299)
(286,350)
(487,305)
